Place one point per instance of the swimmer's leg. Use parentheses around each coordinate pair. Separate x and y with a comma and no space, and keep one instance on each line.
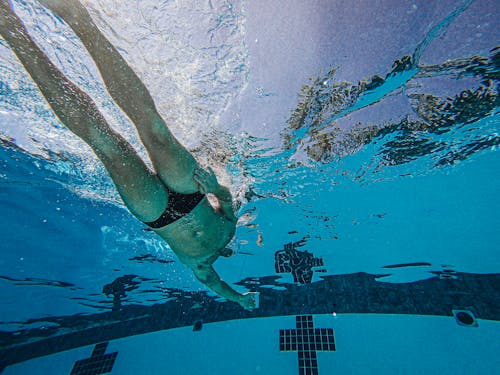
(173,163)
(143,192)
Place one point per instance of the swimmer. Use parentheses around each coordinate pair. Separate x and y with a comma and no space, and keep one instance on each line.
(171,199)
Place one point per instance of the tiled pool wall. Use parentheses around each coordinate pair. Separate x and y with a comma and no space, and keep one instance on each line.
(323,344)
(303,316)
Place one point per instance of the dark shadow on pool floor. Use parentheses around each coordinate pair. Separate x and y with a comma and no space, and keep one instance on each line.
(351,293)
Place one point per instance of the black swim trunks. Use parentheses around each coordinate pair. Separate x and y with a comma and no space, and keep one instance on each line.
(179,205)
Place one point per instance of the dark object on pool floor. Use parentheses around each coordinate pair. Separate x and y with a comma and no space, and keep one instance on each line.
(416,264)
(197,326)
(465,318)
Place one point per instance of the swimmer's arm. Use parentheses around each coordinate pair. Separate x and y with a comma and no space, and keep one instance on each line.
(207,275)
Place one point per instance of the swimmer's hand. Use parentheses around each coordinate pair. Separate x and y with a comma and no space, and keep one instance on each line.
(206,180)
(248,300)
(208,184)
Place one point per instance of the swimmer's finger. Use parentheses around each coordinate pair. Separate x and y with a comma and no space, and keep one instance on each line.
(198,178)
(201,183)
(206,179)
(199,171)
(207,172)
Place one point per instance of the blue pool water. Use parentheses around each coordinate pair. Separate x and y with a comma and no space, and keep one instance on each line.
(361,143)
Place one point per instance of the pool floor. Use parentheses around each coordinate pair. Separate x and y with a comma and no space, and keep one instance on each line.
(329,344)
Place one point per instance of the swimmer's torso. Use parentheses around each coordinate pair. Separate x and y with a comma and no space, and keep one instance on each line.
(198,236)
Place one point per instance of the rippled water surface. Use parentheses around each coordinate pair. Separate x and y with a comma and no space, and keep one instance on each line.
(367,134)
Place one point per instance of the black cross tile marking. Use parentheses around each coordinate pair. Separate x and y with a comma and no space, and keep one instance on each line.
(307,340)
(98,363)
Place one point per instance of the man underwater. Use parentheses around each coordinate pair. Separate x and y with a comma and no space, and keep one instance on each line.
(171,199)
